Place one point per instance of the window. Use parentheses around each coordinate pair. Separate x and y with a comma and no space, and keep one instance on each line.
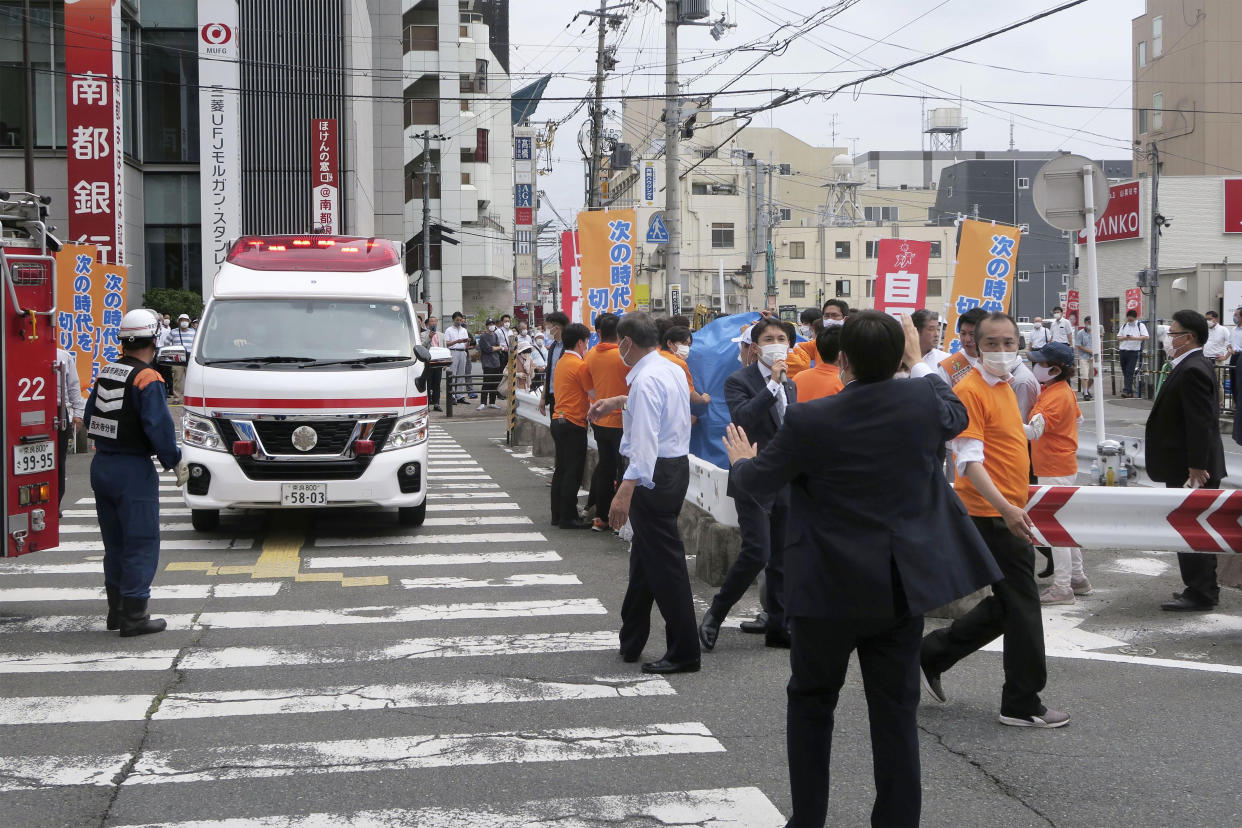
(1157,114)
(1142,121)
(1024,319)
(797,290)
(1024,183)
(713,186)
(797,250)
(465,178)
(871,248)
(722,234)
(786,214)
(1142,53)
(1025,229)
(1064,281)
(173,237)
(46,39)
(870,288)
(880,213)
(480,145)
(842,250)
(933,287)
(1157,37)
(934,253)
(843,288)
(169,96)
(1024,275)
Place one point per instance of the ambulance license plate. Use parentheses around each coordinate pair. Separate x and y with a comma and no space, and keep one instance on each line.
(303,494)
(34,458)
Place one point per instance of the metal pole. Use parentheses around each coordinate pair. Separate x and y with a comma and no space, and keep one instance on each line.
(426,277)
(597,115)
(1093,287)
(722,291)
(28,132)
(1154,277)
(672,155)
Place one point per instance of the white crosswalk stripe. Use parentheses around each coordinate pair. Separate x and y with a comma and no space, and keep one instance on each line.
(430,559)
(167,592)
(405,540)
(528,580)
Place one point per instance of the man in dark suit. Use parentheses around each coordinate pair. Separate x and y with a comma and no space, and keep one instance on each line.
(758,397)
(1184,446)
(876,538)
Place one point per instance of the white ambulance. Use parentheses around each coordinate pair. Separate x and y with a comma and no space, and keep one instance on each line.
(306,383)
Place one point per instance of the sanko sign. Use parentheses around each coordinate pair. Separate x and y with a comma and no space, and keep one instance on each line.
(1121,219)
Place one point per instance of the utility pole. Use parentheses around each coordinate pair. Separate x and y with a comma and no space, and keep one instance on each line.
(672,155)
(772,213)
(597,114)
(1153,279)
(425,276)
(28,132)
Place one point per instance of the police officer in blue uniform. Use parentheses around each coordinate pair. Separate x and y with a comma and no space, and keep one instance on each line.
(127,416)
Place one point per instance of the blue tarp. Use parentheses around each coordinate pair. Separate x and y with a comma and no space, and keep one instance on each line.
(714,356)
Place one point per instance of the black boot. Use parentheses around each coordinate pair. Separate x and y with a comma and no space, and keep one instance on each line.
(114,607)
(136,621)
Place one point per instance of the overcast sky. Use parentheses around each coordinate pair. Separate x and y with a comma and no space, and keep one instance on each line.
(1078,58)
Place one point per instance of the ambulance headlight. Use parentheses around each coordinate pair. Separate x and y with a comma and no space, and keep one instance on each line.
(201,432)
(409,431)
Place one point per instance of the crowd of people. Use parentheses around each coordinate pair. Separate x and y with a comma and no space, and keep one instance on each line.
(918,500)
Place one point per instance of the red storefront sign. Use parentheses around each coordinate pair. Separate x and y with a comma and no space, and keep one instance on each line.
(571,276)
(1121,219)
(93,121)
(523,216)
(1134,300)
(1233,205)
(901,275)
(325,177)
(1072,307)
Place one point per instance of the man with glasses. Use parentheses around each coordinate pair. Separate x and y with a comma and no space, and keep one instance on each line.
(1184,448)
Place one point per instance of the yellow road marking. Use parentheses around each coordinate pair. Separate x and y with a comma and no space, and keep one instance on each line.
(280,558)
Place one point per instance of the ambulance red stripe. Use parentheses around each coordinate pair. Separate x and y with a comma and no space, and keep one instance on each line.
(308,403)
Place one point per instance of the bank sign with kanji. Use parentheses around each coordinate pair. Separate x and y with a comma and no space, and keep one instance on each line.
(987,256)
(606,240)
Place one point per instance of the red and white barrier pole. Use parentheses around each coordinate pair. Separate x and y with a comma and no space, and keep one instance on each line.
(1171,520)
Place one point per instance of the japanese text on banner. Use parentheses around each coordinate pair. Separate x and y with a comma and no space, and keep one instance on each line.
(92,302)
(901,275)
(986,258)
(607,249)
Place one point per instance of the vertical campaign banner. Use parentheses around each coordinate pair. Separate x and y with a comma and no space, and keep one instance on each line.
(325,177)
(93,126)
(91,305)
(1072,307)
(607,240)
(901,275)
(219,133)
(571,276)
(986,258)
(1134,300)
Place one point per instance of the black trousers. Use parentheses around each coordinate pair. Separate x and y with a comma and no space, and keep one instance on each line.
(1129,362)
(763,550)
(63,436)
(434,377)
(1012,610)
(491,379)
(658,567)
(1198,568)
(607,472)
(568,468)
(888,654)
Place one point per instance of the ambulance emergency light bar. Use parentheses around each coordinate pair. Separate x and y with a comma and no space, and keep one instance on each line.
(313,253)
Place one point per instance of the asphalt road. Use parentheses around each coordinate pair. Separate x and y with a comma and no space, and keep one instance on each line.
(349,672)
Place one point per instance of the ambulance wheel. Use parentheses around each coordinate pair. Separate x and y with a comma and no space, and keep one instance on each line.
(205,520)
(412,515)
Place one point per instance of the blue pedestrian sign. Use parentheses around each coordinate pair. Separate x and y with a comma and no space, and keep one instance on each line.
(657,233)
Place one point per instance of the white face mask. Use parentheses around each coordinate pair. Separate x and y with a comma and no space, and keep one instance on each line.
(999,363)
(625,355)
(773,353)
(1056,316)
(1211,323)
(184,324)
(683,351)
(506,325)
(1044,373)
(833,323)
(492,328)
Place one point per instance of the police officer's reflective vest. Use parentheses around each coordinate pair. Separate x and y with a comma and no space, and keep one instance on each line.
(116,418)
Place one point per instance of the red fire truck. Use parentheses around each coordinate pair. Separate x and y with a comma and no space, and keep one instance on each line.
(28,345)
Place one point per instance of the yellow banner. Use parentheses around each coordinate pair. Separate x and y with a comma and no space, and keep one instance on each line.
(987,256)
(91,301)
(606,244)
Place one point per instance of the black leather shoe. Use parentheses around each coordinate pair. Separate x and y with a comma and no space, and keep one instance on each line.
(776,638)
(1183,604)
(577,524)
(114,607)
(759,625)
(136,621)
(709,630)
(665,667)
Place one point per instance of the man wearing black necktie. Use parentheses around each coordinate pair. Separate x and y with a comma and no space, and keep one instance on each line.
(758,397)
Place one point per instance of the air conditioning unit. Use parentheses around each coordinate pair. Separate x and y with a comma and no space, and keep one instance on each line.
(786,169)
(734,299)
(657,304)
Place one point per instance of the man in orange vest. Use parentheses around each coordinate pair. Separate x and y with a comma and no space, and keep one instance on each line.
(824,379)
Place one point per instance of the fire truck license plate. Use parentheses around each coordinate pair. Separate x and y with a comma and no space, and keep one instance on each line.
(34,458)
(303,494)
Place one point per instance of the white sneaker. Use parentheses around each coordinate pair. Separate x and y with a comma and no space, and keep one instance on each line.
(1048,719)
(481,407)
(1082,587)
(493,405)
(1057,595)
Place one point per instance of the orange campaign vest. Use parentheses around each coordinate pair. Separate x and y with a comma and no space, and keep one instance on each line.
(956,367)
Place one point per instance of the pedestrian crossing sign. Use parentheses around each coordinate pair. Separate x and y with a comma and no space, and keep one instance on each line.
(657,233)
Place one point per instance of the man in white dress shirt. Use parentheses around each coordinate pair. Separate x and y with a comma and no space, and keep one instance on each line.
(457,338)
(657,444)
(1061,329)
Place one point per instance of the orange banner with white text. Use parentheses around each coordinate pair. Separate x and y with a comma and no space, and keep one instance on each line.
(987,256)
(606,243)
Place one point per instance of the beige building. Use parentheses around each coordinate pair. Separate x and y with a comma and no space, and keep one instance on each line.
(823,224)
(1187,98)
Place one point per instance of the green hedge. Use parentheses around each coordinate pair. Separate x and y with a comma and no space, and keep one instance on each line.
(173,302)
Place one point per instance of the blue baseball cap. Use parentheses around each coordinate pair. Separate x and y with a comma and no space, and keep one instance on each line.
(1056,352)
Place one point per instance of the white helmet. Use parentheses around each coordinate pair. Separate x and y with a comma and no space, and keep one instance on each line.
(140,323)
